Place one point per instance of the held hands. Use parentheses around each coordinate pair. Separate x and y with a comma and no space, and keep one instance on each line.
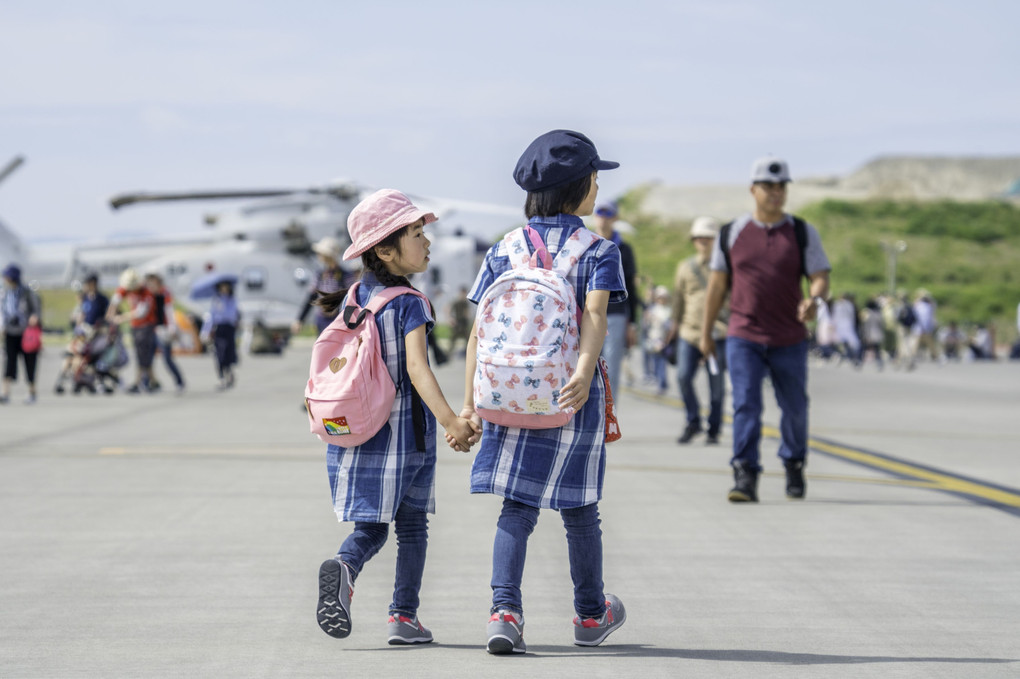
(464,431)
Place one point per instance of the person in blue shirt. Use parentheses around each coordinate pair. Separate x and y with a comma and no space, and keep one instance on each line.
(93,303)
(220,326)
(20,309)
(560,468)
(389,478)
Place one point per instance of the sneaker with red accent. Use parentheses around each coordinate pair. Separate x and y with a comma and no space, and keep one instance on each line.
(407,630)
(506,633)
(593,631)
(335,591)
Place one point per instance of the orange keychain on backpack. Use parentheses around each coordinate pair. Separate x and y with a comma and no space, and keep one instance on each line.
(612,425)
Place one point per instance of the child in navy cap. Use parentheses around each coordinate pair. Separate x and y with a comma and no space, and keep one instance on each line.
(558,468)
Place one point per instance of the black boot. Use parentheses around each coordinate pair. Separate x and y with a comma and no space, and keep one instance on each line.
(795,486)
(745,486)
(689,432)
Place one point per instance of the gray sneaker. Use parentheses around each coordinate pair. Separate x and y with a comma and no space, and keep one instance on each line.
(335,592)
(405,630)
(506,633)
(593,631)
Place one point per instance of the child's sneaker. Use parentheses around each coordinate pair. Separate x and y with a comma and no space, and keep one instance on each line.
(592,631)
(506,633)
(335,592)
(405,630)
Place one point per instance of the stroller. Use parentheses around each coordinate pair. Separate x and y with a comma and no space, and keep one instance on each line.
(94,357)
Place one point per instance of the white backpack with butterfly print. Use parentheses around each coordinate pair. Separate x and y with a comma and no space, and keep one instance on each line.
(528,333)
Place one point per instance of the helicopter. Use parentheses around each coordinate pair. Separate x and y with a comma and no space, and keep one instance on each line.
(267,243)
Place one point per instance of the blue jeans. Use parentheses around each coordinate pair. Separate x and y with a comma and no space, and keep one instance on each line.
(584,549)
(166,348)
(688,359)
(411,529)
(614,349)
(787,367)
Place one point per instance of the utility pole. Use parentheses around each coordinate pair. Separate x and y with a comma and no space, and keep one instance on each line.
(893,251)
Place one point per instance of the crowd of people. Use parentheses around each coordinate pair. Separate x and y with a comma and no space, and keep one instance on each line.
(99,351)
(898,329)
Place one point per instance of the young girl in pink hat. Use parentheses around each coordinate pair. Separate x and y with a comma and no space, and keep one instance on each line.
(391,477)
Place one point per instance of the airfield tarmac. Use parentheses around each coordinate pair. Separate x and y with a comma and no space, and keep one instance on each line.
(166,536)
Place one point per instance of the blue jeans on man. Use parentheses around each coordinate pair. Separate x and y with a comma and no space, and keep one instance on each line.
(688,359)
(749,363)
(614,348)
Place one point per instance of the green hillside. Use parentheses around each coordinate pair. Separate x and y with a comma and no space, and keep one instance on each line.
(966,254)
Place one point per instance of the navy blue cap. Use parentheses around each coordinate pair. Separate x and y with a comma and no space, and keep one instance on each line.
(13,272)
(557,158)
(607,210)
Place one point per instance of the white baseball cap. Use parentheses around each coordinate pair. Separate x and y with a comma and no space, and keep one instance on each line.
(770,169)
(705,227)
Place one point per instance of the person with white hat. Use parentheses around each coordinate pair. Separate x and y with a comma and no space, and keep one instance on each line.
(141,315)
(655,323)
(690,286)
(330,277)
(760,258)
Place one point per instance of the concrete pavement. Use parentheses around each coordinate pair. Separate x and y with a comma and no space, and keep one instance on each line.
(165,536)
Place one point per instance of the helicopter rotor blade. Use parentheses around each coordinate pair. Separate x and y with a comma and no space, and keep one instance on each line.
(125,199)
(10,167)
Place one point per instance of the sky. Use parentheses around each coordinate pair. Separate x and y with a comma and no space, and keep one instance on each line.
(440,98)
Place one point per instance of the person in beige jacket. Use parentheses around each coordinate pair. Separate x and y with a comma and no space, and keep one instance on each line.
(689,287)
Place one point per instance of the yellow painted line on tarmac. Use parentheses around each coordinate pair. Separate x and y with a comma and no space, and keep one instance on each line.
(197,451)
(938,480)
(912,474)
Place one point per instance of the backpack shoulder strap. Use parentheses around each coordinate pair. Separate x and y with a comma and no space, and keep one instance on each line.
(387,295)
(724,245)
(692,264)
(575,246)
(800,230)
(516,244)
(353,314)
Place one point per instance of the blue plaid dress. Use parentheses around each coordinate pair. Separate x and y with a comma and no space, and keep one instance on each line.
(564,467)
(370,481)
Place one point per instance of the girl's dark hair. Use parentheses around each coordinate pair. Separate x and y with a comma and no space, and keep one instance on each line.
(561,199)
(330,302)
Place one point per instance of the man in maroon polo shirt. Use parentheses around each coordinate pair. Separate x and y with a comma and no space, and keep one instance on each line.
(766,333)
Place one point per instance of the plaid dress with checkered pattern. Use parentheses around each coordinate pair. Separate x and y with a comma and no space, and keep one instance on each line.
(370,481)
(562,467)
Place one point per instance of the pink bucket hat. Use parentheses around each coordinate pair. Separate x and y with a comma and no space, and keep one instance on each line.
(379,215)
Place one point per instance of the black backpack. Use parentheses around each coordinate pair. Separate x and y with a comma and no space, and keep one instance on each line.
(799,230)
(907,317)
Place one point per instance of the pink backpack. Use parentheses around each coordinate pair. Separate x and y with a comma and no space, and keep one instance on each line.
(528,334)
(350,393)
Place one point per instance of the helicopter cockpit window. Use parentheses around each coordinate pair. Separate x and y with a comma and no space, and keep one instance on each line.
(254,278)
(295,238)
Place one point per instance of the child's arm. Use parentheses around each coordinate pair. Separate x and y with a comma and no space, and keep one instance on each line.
(425,383)
(593,334)
(468,410)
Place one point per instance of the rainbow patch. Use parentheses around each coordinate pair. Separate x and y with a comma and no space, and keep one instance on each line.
(336,426)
